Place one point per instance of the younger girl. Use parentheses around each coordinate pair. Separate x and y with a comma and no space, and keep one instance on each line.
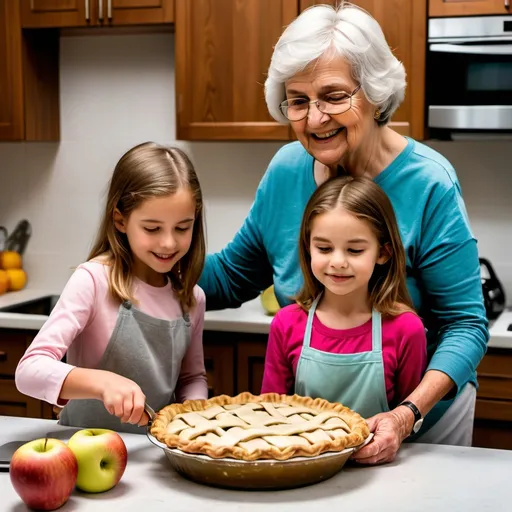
(353,336)
(130,319)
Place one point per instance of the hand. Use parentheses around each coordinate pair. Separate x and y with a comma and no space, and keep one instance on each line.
(389,429)
(123,398)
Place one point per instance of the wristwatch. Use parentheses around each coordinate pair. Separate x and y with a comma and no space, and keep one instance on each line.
(418,418)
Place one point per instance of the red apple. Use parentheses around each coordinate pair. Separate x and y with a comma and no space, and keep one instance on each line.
(101,456)
(43,473)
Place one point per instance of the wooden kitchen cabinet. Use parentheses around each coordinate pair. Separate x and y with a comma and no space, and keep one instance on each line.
(223,50)
(219,365)
(57,13)
(234,362)
(250,363)
(95,13)
(438,8)
(404,23)
(13,343)
(29,79)
(138,12)
(493,415)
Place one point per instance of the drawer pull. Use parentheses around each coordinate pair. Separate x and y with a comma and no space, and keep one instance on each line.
(3,356)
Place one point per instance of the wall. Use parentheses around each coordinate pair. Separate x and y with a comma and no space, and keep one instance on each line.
(117,91)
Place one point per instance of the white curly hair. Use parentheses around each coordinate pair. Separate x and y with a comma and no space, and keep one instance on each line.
(348,31)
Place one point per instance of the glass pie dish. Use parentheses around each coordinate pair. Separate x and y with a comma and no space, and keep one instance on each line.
(258,442)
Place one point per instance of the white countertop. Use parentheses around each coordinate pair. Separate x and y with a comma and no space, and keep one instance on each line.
(18,320)
(501,336)
(422,479)
(250,317)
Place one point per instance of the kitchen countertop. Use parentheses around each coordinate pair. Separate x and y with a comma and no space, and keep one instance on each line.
(249,318)
(423,478)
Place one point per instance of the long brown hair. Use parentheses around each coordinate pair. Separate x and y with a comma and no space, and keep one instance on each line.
(367,201)
(146,171)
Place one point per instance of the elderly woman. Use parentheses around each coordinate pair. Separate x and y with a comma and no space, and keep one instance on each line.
(334,78)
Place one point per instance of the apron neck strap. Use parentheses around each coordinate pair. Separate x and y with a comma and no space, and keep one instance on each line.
(376,331)
(376,327)
(309,325)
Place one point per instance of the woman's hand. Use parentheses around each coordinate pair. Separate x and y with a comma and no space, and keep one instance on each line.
(389,429)
(123,398)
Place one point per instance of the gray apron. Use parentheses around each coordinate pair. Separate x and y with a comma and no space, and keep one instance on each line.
(144,349)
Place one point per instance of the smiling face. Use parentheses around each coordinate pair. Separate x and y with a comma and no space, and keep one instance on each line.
(159,233)
(331,139)
(344,251)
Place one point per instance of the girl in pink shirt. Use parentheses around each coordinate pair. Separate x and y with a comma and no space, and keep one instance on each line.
(130,319)
(353,336)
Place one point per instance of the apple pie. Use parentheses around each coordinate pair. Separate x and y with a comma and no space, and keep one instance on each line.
(268,426)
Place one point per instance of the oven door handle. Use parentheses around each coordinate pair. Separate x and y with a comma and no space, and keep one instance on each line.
(481,49)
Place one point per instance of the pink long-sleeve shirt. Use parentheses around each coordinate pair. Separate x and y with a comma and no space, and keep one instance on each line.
(81,325)
(404,349)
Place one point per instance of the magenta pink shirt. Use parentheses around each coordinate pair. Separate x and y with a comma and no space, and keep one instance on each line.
(404,349)
(81,325)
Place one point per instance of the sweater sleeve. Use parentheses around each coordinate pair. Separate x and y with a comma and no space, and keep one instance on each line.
(411,356)
(191,383)
(450,273)
(40,372)
(278,372)
(241,270)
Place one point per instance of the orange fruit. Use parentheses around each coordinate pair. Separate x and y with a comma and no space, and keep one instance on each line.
(4,281)
(17,279)
(10,259)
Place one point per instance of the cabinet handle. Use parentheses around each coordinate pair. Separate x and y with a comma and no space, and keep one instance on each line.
(100,9)
(3,356)
(87,12)
(109,9)
(507,4)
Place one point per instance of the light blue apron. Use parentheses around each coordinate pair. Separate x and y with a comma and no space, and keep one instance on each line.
(355,380)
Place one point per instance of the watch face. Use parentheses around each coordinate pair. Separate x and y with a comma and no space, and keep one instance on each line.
(417,426)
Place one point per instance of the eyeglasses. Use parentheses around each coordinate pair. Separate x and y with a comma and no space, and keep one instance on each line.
(338,102)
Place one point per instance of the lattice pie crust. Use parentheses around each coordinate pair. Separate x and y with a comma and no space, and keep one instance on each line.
(249,427)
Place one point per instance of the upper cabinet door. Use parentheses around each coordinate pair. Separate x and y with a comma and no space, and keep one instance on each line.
(137,12)
(468,7)
(404,23)
(223,50)
(11,74)
(58,13)
(29,79)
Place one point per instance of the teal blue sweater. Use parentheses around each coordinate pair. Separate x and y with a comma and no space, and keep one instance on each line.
(443,271)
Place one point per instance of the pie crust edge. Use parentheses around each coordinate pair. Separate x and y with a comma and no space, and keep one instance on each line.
(358,426)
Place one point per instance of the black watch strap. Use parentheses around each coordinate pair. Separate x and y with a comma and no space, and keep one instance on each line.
(418,419)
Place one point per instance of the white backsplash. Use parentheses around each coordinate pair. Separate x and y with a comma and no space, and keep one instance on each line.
(118,91)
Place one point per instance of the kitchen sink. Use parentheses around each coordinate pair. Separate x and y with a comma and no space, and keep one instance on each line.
(40,306)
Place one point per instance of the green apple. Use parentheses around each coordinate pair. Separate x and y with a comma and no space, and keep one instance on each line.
(101,456)
(43,473)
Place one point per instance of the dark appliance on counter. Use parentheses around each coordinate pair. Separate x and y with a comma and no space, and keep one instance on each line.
(494,294)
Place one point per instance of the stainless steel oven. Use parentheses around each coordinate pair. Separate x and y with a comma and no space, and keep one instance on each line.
(469,74)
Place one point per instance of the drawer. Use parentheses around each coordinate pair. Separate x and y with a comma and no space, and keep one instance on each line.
(493,410)
(496,364)
(12,399)
(494,387)
(492,434)
(12,348)
(19,410)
